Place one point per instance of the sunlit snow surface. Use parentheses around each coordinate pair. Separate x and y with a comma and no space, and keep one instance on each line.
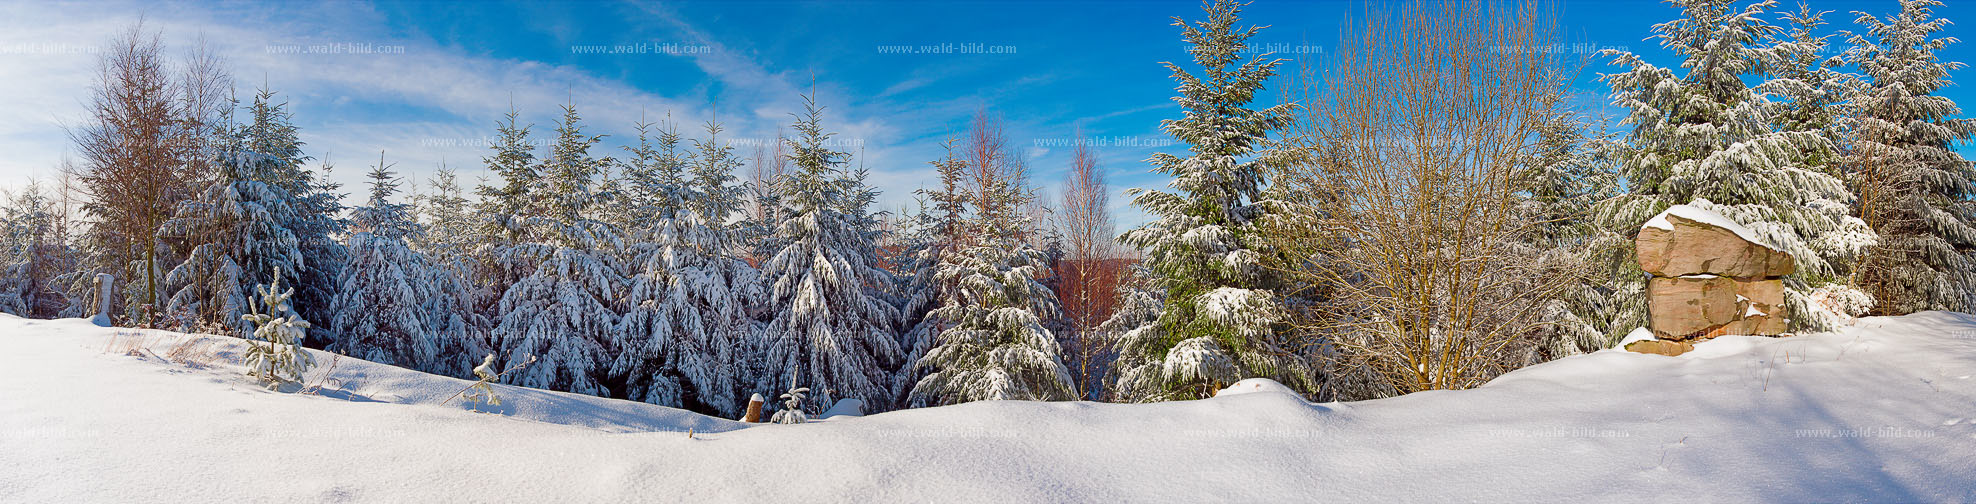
(1883,411)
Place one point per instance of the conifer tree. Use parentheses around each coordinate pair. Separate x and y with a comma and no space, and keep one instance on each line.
(33,253)
(1204,245)
(1915,189)
(447,291)
(377,309)
(271,135)
(444,215)
(825,331)
(994,345)
(564,312)
(1133,332)
(503,208)
(932,233)
(688,325)
(240,229)
(1708,138)
(500,216)
(1572,171)
(274,352)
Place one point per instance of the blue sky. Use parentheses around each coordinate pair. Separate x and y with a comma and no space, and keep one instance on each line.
(425,81)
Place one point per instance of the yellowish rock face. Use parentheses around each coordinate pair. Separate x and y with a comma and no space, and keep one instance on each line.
(1658,347)
(1696,248)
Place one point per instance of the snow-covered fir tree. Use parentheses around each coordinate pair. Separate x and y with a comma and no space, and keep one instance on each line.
(1915,189)
(564,312)
(446,308)
(1708,138)
(444,213)
(688,325)
(274,352)
(928,235)
(653,174)
(726,284)
(316,221)
(33,253)
(447,288)
(1573,170)
(993,344)
(500,216)
(1133,334)
(825,331)
(764,191)
(504,208)
(376,311)
(239,230)
(1808,85)
(1204,243)
(653,196)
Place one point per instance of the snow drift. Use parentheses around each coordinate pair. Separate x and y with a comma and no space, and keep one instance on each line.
(1881,411)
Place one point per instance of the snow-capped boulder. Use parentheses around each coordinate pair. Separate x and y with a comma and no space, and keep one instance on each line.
(1711,277)
(1686,240)
(1256,386)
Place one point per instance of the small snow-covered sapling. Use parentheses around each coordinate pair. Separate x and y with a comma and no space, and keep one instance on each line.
(792,407)
(482,391)
(275,353)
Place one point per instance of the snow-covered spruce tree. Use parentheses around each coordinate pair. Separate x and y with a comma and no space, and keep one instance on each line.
(1708,138)
(725,282)
(238,226)
(652,198)
(500,216)
(992,344)
(792,407)
(653,173)
(1809,87)
(447,292)
(376,311)
(1915,189)
(1133,332)
(444,216)
(764,189)
(274,352)
(564,312)
(503,209)
(825,331)
(929,235)
(315,222)
(1204,244)
(446,308)
(1571,172)
(688,315)
(33,253)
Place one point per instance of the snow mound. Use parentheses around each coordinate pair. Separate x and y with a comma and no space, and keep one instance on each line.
(1878,412)
(1699,214)
(1256,385)
(846,407)
(1638,334)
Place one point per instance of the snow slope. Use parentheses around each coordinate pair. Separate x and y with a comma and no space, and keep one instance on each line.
(1884,411)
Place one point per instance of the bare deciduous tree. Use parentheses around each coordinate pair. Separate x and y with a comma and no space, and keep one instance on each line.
(1089,272)
(1413,137)
(132,152)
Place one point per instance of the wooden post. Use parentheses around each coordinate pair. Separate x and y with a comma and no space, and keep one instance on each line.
(754,410)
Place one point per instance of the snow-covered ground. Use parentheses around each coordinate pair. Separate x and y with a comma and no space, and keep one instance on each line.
(1885,411)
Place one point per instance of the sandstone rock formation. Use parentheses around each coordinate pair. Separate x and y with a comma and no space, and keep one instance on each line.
(1711,277)
(1686,240)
